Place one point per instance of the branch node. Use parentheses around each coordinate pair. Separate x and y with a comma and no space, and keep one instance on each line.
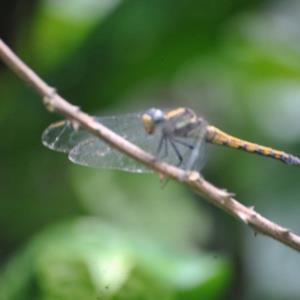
(78,108)
(286,232)
(48,99)
(230,194)
(193,176)
(253,215)
(225,195)
(242,216)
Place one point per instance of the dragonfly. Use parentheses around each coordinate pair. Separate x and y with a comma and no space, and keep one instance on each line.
(176,136)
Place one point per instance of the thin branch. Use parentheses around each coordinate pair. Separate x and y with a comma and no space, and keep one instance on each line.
(220,198)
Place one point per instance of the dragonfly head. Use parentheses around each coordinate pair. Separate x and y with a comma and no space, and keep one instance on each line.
(152,118)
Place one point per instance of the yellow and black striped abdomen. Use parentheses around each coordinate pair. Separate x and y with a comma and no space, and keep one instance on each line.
(216,136)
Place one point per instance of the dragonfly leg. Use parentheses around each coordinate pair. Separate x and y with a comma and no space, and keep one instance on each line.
(179,156)
(163,144)
(161,141)
(166,152)
(190,146)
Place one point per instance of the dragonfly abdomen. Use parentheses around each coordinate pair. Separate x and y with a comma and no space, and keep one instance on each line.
(216,136)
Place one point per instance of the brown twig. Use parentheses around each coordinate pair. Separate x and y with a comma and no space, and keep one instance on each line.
(214,195)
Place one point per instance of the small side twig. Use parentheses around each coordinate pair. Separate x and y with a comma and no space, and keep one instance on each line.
(220,198)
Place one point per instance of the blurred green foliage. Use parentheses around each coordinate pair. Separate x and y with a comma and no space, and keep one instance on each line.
(88,259)
(237,63)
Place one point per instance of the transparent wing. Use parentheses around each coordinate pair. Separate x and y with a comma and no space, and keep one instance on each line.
(85,149)
(95,153)
(197,157)
(62,137)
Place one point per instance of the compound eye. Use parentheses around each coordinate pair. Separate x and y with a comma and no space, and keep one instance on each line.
(148,123)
